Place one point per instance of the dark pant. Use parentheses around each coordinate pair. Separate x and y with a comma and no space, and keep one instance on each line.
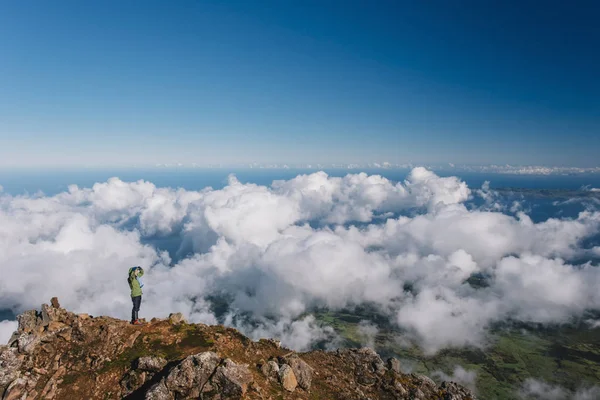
(137,301)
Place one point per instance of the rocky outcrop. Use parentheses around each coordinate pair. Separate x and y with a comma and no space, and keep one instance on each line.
(394,365)
(176,318)
(187,380)
(56,354)
(453,391)
(231,381)
(302,371)
(287,378)
(270,370)
(10,364)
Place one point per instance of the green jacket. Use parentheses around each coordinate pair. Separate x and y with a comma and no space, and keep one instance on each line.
(134,285)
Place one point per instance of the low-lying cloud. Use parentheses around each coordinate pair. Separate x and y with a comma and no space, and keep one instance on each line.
(536,389)
(273,254)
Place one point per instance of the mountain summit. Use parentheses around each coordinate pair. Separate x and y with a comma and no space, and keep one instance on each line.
(57,354)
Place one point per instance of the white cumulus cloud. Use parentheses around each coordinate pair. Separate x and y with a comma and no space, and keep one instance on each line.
(272,254)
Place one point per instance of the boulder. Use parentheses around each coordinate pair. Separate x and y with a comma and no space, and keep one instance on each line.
(368,366)
(453,391)
(302,370)
(425,381)
(287,378)
(151,364)
(232,380)
(189,377)
(176,318)
(394,365)
(270,369)
(369,355)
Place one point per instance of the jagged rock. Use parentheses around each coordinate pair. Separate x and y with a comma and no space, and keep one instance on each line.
(287,378)
(159,392)
(27,342)
(302,370)
(379,368)
(176,318)
(63,355)
(28,321)
(394,365)
(47,314)
(9,367)
(189,377)
(425,381)
(65,334)
(367,351)
(54,326)
(21,388)
(54,302)
(453,391)
(377,362)
(53,314)
(232,380)
(16,390)
(151,364)
(400,389)
(270,369)
(369,366)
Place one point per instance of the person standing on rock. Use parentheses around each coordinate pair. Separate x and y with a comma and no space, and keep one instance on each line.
(136,285)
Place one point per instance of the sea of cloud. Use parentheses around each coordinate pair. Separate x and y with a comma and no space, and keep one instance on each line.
(272,254)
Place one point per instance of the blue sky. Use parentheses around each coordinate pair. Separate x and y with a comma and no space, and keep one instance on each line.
(122,82)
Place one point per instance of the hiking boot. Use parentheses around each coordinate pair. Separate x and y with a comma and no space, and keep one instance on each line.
(137,322)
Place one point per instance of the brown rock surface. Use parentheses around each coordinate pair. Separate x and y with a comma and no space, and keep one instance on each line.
(57,354)
(287,378)
(301,369)
(176,318)
(54,302)
(231,380)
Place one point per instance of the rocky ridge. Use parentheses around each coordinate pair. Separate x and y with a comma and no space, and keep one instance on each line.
(56,354)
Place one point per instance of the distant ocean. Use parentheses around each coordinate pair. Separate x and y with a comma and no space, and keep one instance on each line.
(51,182)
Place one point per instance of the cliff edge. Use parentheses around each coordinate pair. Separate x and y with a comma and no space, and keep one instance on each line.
(56,354)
